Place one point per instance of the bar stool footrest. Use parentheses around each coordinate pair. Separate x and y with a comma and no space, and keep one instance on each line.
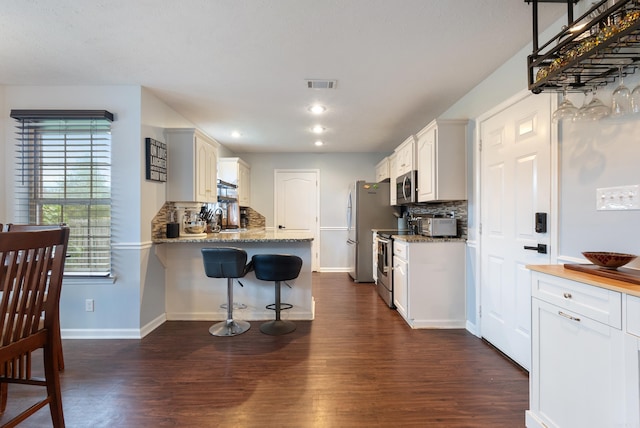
(283,306)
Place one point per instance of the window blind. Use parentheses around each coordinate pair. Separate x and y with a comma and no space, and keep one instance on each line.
(63,175)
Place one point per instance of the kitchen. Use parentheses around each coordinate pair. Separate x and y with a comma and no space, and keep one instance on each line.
(592,155)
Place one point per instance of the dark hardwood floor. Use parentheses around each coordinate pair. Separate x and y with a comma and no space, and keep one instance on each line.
(356,365)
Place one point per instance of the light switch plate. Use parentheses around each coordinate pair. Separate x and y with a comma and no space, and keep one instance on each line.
(618,198)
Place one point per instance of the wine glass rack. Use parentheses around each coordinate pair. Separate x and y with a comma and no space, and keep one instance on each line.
(588,52)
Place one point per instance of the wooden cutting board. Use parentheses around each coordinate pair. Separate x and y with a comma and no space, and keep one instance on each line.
(621,274)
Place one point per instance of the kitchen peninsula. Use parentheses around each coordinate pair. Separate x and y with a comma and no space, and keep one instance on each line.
(191,295)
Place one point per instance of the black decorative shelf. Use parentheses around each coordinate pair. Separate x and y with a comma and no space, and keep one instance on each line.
(224,190)
(578,60)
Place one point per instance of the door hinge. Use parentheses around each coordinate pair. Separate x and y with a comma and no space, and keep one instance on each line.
(480,229)
(480,311)
(480,145)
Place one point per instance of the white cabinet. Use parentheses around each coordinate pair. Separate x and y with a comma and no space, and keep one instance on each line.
(374,259)
(632,360)
(382,170)
(192,160)
(405,155)
(393,174)
(429,283)
(400,278)
(441,161)
(238,172)
(577,374)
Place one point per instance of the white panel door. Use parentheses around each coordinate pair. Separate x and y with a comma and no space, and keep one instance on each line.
(515,184)
(296,205)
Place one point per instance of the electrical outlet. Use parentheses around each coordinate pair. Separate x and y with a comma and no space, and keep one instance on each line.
(618,198)
(88,305)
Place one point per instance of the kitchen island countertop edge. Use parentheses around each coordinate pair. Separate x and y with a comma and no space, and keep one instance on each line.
(248,236)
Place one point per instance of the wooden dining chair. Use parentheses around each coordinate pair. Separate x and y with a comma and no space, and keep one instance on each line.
(28,228)
(31,267)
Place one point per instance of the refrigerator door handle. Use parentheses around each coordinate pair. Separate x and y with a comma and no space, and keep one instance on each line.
(349,205)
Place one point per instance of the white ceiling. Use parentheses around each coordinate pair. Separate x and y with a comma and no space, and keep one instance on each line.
(242,64)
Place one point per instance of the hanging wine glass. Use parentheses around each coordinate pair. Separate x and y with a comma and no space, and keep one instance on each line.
(596,109)
(566,109)
(620,98)
(582,113)
(635,100)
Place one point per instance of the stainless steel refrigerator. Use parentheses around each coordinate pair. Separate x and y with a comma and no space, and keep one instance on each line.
(367,208)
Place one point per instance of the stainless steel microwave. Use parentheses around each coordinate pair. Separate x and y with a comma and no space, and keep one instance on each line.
(406,188)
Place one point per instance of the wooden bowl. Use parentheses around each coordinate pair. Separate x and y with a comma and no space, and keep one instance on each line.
(607,259)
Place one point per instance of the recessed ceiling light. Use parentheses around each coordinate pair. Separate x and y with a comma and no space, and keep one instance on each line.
(318,129)
(317,109)
(318,143)
(236,134)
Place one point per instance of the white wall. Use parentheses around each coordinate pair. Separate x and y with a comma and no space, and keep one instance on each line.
(6,160)
(156,116)
(600,154)
(337,170)
(139,277)
(116,304)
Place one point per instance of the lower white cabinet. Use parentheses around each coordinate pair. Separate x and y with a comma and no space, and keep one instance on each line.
(429,283)
(374,258)
(577,376)
(632,358)
(400,286)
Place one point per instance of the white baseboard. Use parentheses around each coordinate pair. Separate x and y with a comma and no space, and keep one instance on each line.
(115,333)
(242,314)
(436,324)
(105,333)
(333,269)
(152,325)
(472,328)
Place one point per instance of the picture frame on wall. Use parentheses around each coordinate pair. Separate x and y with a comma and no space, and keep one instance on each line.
(156,160)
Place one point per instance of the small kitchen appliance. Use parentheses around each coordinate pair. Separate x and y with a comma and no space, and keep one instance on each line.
(438,226)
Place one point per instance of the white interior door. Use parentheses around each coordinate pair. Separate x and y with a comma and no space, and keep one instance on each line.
(515,184)
(296,205)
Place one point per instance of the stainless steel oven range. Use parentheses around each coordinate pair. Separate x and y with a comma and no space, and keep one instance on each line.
(384,284)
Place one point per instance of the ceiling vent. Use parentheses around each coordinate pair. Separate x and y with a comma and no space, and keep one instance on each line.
(321,84)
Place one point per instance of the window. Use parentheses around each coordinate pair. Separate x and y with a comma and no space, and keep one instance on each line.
(63,175)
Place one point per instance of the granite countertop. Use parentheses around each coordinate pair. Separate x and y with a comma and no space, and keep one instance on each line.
(259,235)
(587,278)
(421,238)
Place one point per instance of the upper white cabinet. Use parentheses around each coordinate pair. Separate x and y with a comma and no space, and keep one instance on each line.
(192,164)
(441,161)
(393,174)
(405,156)
(237,171)
(382,170)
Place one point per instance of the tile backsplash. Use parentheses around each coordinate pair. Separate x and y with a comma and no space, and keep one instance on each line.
(458,208)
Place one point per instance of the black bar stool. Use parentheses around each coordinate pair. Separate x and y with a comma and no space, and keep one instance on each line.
(230,263)
(277,267)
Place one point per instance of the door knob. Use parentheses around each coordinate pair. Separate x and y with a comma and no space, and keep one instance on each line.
(540,248)
(281,227)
